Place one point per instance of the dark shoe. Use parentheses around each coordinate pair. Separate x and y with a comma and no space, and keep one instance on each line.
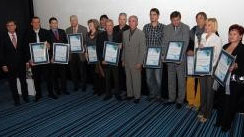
(58,92)
(118,98)
(27,100)
(225,129)
(66,92)
(16,104)
(76,89)
(53,96)
(37,98)
(150,99)
(129,98)
(217,124)
(136,101)
(178,105)
(84,88)
(169,103)
(107,98)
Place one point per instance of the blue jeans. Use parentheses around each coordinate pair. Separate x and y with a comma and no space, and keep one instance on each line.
(154,82)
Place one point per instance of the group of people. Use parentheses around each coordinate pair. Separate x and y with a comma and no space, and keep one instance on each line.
(15,59)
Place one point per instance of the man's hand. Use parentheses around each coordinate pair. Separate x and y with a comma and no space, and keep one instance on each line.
(27,65)
(5,69)
(138,66)
(48,45)
(190,53)
(233,67)
(104,63)
(123,64)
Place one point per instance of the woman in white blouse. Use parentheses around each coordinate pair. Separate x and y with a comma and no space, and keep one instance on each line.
(208,39)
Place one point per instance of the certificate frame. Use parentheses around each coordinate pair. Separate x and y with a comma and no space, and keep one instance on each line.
(228,60)
(209,67)
(45,57)
(154,64)
(111,46)
(191,74)
(66,58)
(89,60)
(174,58)
(76,36)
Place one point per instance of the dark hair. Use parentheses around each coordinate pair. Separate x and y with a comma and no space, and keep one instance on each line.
(155,10)
(202,14)
(103,16)
(11,21)
(175,14)
(238,28)
(51,19)
(35,17)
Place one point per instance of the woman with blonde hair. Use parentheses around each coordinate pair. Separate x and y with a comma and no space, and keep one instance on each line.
(208,39)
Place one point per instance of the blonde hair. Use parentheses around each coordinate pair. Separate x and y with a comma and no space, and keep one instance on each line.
(73,17)
(109,20)
(214,23)
(95,22)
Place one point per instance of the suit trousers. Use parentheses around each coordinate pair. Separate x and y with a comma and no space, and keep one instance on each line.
(133,82)
(112,77)
(176,74)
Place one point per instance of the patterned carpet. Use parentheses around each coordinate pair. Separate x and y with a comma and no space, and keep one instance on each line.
(84,114)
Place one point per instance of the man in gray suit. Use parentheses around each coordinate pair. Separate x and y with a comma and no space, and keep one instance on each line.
(134,48)
(78,64)
(176,31)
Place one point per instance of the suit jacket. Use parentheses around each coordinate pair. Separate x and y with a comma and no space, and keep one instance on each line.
(30,37)
(83,30)
(13,58)
(181,34)
(134,48)
(62,39)
(102,37)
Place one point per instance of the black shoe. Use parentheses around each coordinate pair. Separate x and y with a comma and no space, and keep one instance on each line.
(84,88)
(150,99)
(225,129)
(58,92)
(53,96)
(76,89)
(27,100)
(17,103)
(178,105)
(118,98)
(217,124)
(66,92)
(107,98)
(129,98)
(100,93)
(37,98)
(136,101)
(169,103)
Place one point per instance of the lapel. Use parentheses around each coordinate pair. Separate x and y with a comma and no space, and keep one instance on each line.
(133,37)
(10,41)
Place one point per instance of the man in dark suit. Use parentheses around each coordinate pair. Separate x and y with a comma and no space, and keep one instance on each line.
(38,34)
(14,61)
(110,71)
(78,63)
(58,36)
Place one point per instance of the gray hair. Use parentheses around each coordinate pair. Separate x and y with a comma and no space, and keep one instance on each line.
(134,16)
(73,17)
(123,14)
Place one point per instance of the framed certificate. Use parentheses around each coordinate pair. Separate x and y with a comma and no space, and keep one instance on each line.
(153,57)
(203,62)
(224,63)
(174,52)
(60,53)
(39,53)
(92,54)
(190,66)
(76,43)
(111,52)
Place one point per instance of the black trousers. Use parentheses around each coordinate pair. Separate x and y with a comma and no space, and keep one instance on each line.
(228,105)
(45,72)
(12,75)
(59,77)
(112,77)
(78,69)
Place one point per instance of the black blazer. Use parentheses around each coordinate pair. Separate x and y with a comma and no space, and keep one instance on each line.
(117,37)
(30,37)
(62,39)
(11,57)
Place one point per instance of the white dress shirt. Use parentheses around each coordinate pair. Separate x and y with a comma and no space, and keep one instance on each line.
(11,36)
(212,41)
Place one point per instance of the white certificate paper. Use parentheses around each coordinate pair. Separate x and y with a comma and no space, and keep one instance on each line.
(174,51)
(190,65)
(75,43)
(111,53)
(153,56)
(61,53)
(92,53)
(203,61)
(39,53)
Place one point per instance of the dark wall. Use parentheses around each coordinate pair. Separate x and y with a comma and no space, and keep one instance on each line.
(19,10)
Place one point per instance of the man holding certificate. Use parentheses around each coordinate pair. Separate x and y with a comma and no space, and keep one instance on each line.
(37,35)
(106,51)
(176,39)
(13,61)
(59,67)
(154,36)
(134,48)
(78,63)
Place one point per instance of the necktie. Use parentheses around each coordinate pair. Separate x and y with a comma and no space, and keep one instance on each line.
(37,37)
(56,35)
(14,41)
(74,30)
